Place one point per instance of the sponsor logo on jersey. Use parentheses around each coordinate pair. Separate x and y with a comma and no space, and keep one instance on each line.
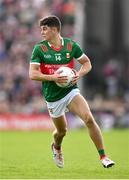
(47,56)
(51,68)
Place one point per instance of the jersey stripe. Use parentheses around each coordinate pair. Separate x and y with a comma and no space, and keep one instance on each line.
(44,48)
(34,63)
(69,46)
(81,56)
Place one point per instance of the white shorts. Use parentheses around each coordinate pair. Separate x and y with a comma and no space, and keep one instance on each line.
(58,108)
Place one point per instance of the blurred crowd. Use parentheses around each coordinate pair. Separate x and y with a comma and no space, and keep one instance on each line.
(19,31)
(108,89)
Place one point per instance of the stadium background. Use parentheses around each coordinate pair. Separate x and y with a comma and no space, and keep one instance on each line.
(102,29)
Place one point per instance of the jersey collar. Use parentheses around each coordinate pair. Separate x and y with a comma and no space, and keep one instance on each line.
(59,48)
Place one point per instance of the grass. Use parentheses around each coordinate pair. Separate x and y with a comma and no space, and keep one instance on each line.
(27,155)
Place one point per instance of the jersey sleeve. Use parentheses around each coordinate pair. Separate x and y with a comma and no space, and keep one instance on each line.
(78,52)
(35,58)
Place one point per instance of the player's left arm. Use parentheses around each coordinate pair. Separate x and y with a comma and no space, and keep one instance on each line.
(85,68)
(83,59)
(86,65)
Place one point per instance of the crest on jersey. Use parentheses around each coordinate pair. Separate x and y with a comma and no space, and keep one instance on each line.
(67,55)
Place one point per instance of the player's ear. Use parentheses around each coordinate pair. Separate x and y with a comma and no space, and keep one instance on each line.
(54,29)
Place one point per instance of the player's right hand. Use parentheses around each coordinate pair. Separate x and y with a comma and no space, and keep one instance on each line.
(57,77)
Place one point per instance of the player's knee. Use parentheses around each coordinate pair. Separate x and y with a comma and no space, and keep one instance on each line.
(85,116)
(63,132)
(89,120)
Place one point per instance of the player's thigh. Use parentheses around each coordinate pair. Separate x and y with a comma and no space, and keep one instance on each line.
(80,107)
(60,123)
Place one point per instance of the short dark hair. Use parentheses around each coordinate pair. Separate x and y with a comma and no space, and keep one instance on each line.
(51,21)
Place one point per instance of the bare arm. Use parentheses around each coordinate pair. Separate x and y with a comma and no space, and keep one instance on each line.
(35,74)
(85,68)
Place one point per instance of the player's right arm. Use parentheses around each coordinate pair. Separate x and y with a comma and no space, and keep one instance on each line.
(35,74)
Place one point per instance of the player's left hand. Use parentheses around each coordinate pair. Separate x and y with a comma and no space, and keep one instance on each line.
(76,77)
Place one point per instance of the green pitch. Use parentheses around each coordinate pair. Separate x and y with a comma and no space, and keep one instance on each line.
(27,155)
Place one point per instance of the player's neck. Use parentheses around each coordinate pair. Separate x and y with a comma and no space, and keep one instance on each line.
(56,42)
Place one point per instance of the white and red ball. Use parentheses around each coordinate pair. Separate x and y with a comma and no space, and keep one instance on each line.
(66,71)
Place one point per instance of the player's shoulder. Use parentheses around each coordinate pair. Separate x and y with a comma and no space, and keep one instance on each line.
(41,46)
(68,40)
(43,42)
(70,43)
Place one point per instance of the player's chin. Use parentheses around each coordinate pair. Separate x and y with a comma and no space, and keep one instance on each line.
(45,38)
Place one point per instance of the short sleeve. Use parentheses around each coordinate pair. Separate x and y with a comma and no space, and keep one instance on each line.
(78,52)
(35,58)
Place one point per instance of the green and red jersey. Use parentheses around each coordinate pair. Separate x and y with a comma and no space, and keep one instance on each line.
(50,59)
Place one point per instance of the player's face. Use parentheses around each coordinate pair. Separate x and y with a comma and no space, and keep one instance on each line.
(47,33)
